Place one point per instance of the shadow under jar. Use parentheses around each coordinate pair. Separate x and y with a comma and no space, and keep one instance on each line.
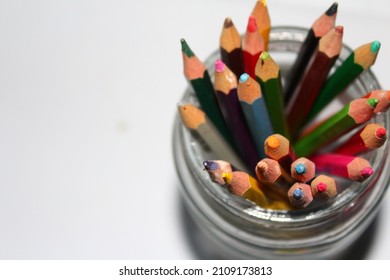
(234,228)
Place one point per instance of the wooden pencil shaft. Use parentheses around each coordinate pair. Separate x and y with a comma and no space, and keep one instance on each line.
(263,21)
(323,187)
(303,170)
(356,112)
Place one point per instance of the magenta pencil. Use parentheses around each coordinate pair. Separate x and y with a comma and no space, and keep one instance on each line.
(370,137)
(349,167)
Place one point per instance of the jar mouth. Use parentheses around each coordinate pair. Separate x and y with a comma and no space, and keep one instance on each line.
(285,42)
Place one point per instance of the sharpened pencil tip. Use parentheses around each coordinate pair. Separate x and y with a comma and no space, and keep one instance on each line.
(228,22)
(252,27)
(298,194)
(332,9)
(300,169)
(219,66)
(272,142)
(375,46)
(321,187)
(373,102)
(381,132)
(244,77)
(210,165)
(367,172)
(262,167)
(264,55)
(186,49)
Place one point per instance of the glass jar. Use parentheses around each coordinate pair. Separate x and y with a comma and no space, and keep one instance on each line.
(234,228)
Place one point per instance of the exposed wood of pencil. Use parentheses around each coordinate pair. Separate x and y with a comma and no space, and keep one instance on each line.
(279,148)
(252,47)
(244,185)
(383,97)
(196,73)
(356,112)
(269,78)
(215,169)
(370,137)
(323,187)
(349,167)
(231,48)
(313,77)
(303,170)
(263,21)
(196,121)
(319,28)
(357,62)
(269,172)
(225,85)
(255,111)
(300,195)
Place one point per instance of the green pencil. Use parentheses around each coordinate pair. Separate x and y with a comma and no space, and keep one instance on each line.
(196,73)
(269,78)
(356,112)
(357,62)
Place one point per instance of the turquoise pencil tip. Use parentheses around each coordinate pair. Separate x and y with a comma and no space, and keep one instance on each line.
(300,169)
(244,77)
(375,46)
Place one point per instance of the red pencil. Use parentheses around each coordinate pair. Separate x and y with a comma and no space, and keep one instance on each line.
(370,137)
(349,167)
(252,47)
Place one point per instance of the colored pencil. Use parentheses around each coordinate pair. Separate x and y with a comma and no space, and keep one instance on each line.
(300,195)
(279,148)
(263,21)
(354,113)
(225,85)
(356,63)
(383,97)
(231,48)
(215,169)
(269,78)
(274,177)
(370,137)
(197,122)
(255,111)
(323,187)
(303,170)
(252,47)
(303,97)
(319,28)
(196,73)
(349,167)
(242,184)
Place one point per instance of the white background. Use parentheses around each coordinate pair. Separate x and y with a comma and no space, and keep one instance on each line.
(88,93)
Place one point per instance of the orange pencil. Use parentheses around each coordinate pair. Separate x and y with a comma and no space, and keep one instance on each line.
(263,21)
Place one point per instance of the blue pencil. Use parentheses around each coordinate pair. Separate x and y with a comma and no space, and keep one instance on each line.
(255,111)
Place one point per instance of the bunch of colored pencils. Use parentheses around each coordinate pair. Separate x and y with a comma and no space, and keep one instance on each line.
(271,147)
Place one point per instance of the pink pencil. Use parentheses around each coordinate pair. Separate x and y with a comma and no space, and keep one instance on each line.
(349,167)
(371,137)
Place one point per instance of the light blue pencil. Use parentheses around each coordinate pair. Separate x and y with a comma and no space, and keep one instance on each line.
(255,111)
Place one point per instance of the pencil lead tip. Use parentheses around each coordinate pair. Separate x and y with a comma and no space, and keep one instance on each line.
(251,27)
(219,66)
(381,132)
(264,55)
(272,142)
(373,102)
(367,172)
(185,48)
(244,77)
(332,9)
(228,22)
(321,187)
(300,169)
(375,46)
(210,165)
(298,194)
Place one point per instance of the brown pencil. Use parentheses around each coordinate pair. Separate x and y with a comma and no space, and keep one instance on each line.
(230,47)
(314,76)
(225,84)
